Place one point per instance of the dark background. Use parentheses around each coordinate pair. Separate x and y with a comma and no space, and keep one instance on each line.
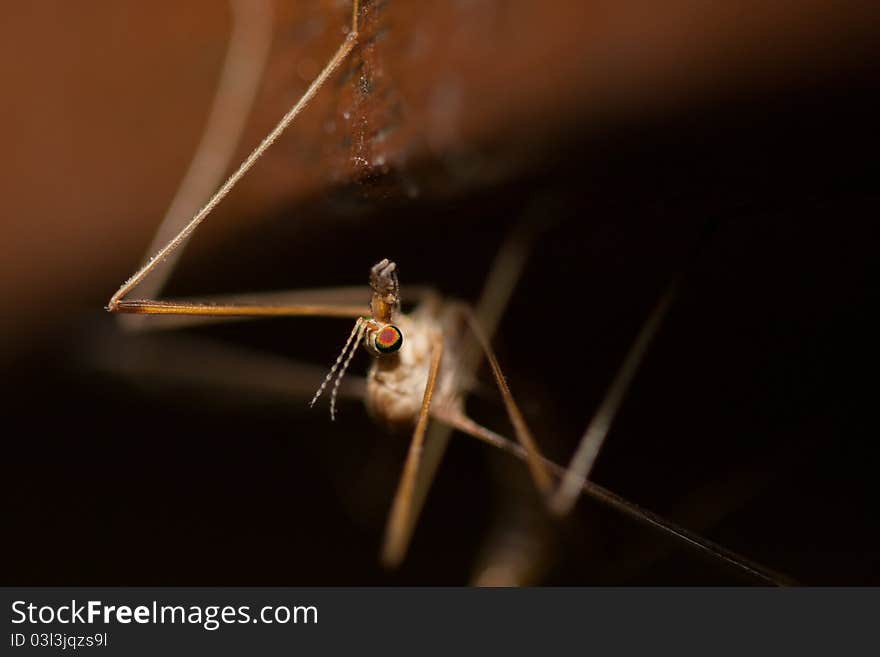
(752,420)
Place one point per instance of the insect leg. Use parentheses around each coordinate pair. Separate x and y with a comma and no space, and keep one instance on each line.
(534,460)
(397,531)
(324,296)
(598,427)
(183,235)
(243,65)
(150,307)
(685,537)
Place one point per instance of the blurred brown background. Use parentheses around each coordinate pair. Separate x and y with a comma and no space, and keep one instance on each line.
(735,140)
(103,103)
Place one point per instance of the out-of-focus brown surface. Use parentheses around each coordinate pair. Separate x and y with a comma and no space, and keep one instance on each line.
(103,103)
(102,107)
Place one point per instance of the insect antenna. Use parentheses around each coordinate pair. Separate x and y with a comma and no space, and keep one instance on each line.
(360,335)
(356,331)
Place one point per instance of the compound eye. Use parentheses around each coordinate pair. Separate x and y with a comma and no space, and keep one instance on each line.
(389,339)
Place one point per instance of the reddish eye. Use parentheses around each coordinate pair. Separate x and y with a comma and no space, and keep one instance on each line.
(389,339)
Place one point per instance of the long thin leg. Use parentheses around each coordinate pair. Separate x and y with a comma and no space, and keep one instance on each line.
(397,533)
(242,70)
(534,460)
(145,307)
(349,297)
(458,420)
(594,436)
(342,52)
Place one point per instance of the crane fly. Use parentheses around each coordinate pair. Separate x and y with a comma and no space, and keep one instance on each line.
(425,360)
